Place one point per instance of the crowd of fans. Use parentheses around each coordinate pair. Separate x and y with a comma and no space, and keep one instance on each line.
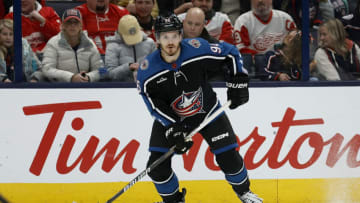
(106,40)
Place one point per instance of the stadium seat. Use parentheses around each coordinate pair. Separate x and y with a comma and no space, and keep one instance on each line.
(248,64)
(260,63)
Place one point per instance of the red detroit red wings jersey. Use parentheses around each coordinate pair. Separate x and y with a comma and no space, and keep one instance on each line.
(36,34)
(101,26)
(252,35)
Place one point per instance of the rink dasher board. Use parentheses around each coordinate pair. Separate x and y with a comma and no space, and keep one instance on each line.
(305,122)
(340,190)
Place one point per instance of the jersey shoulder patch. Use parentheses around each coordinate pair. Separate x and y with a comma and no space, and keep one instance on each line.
(152,63)
(147,66)
(193,47)
(144,65)
(194,43)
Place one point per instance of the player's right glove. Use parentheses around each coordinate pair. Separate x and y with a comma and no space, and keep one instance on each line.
(238,91)
(176,134)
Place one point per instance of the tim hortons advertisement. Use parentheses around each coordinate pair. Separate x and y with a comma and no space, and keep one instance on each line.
(101,135)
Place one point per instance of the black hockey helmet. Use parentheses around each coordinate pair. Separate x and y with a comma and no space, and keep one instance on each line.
(167,23)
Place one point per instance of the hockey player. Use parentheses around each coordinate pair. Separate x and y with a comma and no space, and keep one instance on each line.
(173,82)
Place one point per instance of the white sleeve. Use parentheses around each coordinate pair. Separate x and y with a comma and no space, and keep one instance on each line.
(239,23)
(182,16)
(324,67)
(50,63)
(357,51)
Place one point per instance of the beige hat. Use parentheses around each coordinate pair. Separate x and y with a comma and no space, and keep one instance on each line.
(130,30)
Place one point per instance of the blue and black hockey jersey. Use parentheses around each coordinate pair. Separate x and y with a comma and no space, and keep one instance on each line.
(180,91)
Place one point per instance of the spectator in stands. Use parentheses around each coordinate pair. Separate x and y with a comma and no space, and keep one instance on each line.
(143,9)
(217,24)
(167,7)
(327,12)
(183,7)
(285,64)
(319,11)
(30,64)
(38,24)
(234,8)
(71,56)
(257,31)
(341,8)
(100,20)
(8,3)
(127,49)
(338,58)
(194,25)
(294,9)
(130,6)
(352,24)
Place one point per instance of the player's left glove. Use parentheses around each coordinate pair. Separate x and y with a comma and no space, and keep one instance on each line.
(176,134)
(238,91)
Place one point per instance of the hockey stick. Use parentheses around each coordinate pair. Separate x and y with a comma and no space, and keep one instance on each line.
(170,152)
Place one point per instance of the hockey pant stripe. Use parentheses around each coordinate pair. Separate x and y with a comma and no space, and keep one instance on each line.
(224,149)
(237,178)
(158,149)
(169,186)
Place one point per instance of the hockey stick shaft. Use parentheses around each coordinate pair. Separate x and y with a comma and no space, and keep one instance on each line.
(169,153)
(209,119)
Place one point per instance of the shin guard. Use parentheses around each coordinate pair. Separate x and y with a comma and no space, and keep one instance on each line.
(232,164)
(164,179)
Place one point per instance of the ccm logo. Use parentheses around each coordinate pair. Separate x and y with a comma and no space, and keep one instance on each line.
(236,85)
(219,137)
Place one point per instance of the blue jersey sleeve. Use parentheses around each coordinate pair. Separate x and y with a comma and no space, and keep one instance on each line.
(222,51)
(154,71)
(150,69)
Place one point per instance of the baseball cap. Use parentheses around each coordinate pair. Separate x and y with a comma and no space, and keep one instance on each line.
(71,13)
(130,30)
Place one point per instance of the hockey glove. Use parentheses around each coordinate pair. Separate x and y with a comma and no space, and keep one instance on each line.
(238,91)
(175,134)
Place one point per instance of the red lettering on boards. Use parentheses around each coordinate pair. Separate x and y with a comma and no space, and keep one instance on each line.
(272,156)
(87,157)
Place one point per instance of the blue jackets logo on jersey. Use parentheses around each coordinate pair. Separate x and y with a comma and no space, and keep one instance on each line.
(188,104)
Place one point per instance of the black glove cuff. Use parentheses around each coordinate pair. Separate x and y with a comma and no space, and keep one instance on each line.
(238,82)
(240,85)
(238,91)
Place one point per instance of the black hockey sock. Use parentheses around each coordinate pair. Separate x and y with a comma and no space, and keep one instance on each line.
(164,179)
(231,163)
